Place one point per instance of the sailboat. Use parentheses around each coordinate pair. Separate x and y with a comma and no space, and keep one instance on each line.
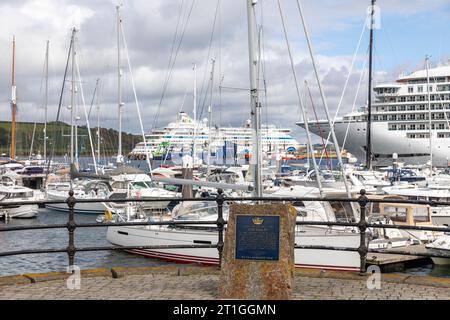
(9,191)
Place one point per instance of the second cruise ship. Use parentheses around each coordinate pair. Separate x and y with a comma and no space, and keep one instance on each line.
(180,137)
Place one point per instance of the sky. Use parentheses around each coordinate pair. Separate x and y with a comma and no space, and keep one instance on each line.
(195,32)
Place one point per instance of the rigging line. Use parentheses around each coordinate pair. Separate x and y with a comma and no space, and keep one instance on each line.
(363,72)
(86,115)
(172,50)
(305,116)
(324,101)
(318,126)
(147,155)
(351,69)
(35,121)
(59,109)
(220,62)
(93,97)
(211,38)
(173,64)
(263,62)
(346,81)
(184,99)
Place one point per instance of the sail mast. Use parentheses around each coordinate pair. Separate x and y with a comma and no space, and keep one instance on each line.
(194,146)
(254,98)
(98,121)
(119,87)
(72,100)
(13,102)
(46,100)
(213,61)
(369,98)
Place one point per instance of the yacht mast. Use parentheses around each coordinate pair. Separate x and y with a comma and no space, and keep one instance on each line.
(254,98)
(98,121)
(194,147)
(46,100)
(427,62)
(213,61)
(119,158)
(13,102)
(72,99)
(369,99)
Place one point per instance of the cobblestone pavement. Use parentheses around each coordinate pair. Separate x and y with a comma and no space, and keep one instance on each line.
(193,287)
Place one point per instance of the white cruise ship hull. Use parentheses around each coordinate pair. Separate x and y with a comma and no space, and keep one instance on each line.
(304,258)
(385,143)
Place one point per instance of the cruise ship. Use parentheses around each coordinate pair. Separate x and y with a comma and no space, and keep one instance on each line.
(400,121)
(179,136)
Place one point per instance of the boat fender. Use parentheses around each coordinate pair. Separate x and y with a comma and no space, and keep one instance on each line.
(108,215)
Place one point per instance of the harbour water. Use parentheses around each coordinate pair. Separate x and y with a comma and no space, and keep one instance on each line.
(58,238)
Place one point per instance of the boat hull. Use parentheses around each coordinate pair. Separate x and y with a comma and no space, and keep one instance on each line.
(306,258)
(23,212)
(81,208)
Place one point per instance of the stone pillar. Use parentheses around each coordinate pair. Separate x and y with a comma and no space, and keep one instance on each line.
(253,270)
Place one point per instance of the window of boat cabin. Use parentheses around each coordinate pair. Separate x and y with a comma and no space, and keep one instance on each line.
(342,210)
(396,213)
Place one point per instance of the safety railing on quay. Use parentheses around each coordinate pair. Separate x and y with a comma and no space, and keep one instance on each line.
(220,223)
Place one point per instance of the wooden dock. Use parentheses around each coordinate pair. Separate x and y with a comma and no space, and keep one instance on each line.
(389,262)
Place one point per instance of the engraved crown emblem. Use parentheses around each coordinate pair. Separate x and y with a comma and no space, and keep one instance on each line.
(257,220)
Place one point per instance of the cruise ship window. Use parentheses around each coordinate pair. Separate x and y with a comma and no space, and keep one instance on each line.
(410,89)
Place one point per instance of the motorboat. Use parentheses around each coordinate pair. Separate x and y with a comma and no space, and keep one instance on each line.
(440,214)
(14,193)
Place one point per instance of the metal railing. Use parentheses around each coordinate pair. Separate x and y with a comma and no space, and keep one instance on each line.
(220,199)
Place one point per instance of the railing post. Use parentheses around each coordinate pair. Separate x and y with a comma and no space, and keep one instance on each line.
(362,225)
(71,226)
(220,223)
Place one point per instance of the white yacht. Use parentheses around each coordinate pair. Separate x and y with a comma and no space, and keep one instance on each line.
(14,193)
(179,136)
(400,116)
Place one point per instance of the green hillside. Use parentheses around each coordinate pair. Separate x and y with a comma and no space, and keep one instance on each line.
(59,135)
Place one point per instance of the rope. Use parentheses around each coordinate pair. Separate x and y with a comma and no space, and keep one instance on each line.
(147,156)
(86,115)
(166,83)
